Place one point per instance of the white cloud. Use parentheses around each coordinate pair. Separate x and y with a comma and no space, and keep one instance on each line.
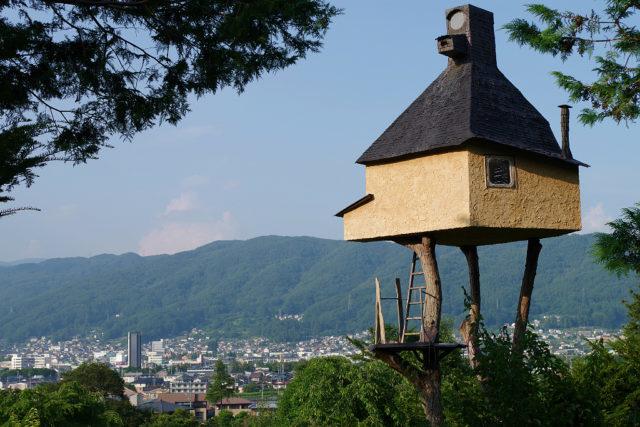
(185,202)
(595,219)
(176,236)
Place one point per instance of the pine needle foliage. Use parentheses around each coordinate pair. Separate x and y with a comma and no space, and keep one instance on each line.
(619,250)
(221,385)
(615,92)
(76,73)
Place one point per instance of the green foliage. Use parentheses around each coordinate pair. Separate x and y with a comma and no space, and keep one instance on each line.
(244,419)
(616,91)
(223,419)
(252,388)
(179,418)
(512,388)
(98,378)
(619,251)
(337,391)
(237,288)
(612,370)
(221,385)
(77,72)
(532,387)
(67,404)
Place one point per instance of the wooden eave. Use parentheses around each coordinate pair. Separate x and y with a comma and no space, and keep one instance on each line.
(363,201)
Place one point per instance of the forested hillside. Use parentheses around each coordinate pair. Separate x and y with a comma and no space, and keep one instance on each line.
(237,288)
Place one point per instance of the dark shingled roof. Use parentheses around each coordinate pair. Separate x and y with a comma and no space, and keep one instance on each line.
(470,100)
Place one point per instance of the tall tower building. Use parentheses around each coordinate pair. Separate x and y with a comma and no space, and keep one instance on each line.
(135,349)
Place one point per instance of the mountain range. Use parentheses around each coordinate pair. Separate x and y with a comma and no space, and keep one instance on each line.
(255,287)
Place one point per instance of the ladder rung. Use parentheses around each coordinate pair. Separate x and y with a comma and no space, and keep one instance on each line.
(412,333)
(417,287)
(419,273)
(415,302)
(414,318)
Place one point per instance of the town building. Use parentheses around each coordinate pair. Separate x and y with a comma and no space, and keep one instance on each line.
(188,384)
(134,349)
(21,362)
(235,405)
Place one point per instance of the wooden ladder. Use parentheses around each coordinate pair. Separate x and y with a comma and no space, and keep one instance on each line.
(416,296)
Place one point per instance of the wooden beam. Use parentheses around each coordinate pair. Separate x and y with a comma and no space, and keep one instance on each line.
(380,332)
(526,289)
(400,309)
(469,327)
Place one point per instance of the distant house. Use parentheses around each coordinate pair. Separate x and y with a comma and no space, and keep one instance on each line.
(235,405)
(188,384)
(195,403)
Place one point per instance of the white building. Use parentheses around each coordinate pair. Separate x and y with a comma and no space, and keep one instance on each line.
(185,386)
(157,346)
(21,362)
(118,359)
(156,358)
(41,362)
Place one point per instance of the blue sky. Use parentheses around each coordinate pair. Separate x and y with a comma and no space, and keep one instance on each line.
(279,158)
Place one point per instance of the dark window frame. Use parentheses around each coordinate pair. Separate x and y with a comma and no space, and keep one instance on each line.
(512,171)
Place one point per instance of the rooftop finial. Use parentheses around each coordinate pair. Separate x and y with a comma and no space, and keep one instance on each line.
(470,36)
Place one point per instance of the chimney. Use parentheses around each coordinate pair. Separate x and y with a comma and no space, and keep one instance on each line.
(470,36)
(564,126)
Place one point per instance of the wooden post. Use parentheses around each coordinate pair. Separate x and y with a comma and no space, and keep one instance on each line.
(400,308)
(380,337)
(526,289)
(469,327)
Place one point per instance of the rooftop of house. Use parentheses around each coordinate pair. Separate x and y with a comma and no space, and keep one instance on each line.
(470,101)
(182,397)
(234,401)
(157,405)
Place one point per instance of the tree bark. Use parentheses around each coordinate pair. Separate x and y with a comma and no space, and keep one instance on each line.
(426,381)
(526,289)
(426,251)
(469,327)
(429,387)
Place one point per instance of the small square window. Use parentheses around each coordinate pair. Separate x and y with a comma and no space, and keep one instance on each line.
(500,171)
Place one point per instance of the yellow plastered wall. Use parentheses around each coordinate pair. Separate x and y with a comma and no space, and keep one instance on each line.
(413,196)
(546,194)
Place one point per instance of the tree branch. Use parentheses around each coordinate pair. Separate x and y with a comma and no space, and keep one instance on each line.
(101,3)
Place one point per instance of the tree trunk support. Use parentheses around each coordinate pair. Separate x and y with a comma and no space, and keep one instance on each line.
(524,302)
(400,309)
(432,311)
(380,337)
(469,327)
(426,379)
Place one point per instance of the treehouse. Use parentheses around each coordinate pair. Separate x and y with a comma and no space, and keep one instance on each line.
(470,161)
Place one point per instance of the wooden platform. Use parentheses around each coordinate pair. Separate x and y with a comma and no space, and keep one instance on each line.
(430,353)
